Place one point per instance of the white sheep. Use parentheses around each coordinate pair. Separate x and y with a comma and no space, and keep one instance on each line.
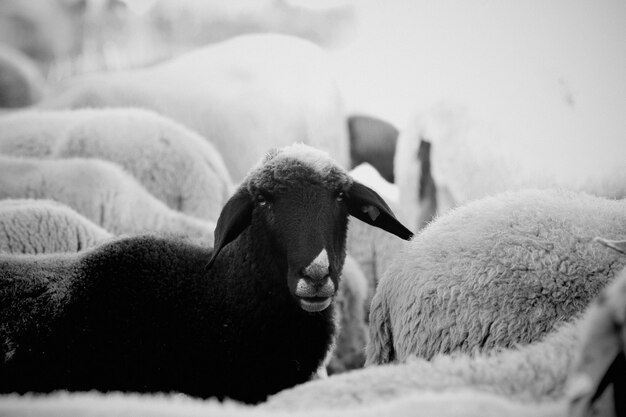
(44,226)
(246,94)
(472,159)
(465,403)
(173,163)
(102,192)
(535,372)
(496,272)
(21,82)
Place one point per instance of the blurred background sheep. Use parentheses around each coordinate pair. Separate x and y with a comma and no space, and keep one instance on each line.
(432,104)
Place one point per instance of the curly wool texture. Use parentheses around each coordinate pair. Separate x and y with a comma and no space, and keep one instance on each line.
(496,272)
(245,94)
(102,192)
(173,163)
(45,226)
(280,170)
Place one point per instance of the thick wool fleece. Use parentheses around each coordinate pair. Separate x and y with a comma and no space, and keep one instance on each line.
(245,95)
(535,372)
(173,163)
(282,169)
(419,404)
(205,333)
(45,226)
(102,192)
(496,272)
(471,159)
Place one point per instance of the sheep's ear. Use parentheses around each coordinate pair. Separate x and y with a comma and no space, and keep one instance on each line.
(234,218)
(364,204)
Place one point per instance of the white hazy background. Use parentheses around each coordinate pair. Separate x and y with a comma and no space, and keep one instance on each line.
(546,69)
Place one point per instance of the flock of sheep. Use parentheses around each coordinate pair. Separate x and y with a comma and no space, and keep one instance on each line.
(162,232)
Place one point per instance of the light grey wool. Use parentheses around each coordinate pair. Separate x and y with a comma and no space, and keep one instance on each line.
(102,192)
(246,94)
(497,272)
(45,226)
(173,163)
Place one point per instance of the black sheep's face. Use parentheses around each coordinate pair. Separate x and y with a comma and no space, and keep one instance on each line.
(298,201)
(307,225)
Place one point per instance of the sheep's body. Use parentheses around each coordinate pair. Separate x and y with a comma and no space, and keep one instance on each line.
(568,364)
(249,93)
(467,403)
(496,272)
(373,141)
(21,83)
(471,160)
(173,163)
(100,191)
(44,226)
(349,352)
(149,314)
(532,373)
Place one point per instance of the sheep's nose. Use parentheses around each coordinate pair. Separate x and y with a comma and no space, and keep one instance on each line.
(318,270)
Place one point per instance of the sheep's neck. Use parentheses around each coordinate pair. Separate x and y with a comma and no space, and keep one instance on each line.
(253,257)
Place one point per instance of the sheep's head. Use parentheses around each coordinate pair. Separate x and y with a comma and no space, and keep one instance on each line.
(300,199)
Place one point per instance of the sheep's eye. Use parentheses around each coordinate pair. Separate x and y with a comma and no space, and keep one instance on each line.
(261,199)
(340,196)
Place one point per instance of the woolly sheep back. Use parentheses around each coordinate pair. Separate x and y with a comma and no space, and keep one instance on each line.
(102,192)
(175,164)
(45,226)
(250,92)
(535,372)
(466,403)
(496,272)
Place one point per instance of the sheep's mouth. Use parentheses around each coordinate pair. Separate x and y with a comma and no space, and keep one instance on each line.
(314,304)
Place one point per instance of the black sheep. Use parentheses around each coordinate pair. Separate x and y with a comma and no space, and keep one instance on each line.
(148,314)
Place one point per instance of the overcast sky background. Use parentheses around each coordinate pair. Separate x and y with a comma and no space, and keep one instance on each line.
(554,69)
